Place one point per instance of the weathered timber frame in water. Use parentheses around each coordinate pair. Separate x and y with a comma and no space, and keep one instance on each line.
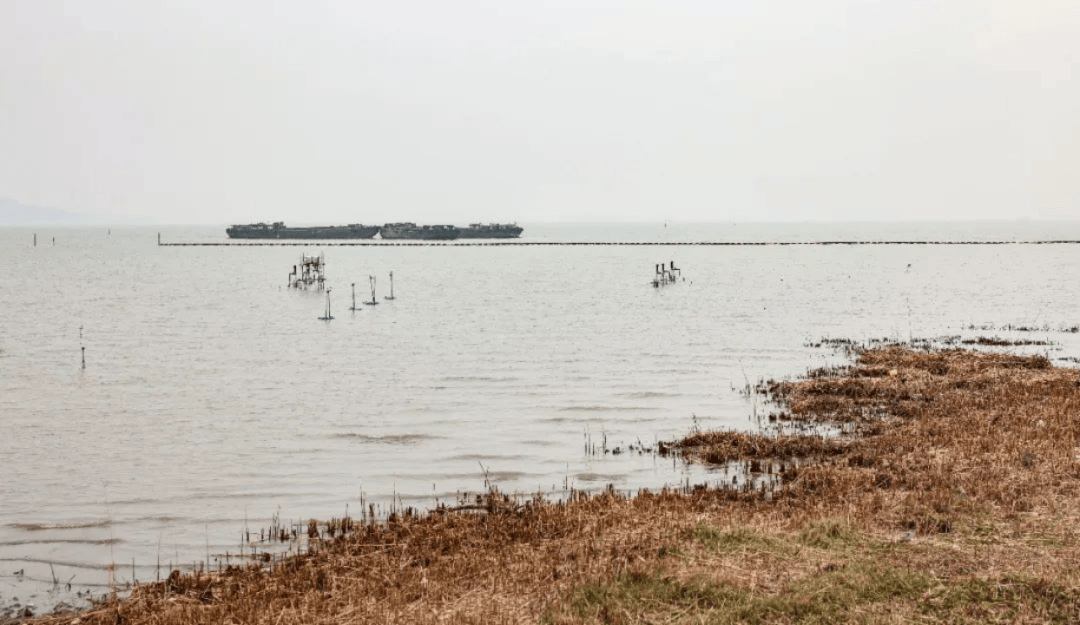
(311,272)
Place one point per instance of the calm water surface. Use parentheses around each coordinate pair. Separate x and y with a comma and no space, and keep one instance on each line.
(214,399)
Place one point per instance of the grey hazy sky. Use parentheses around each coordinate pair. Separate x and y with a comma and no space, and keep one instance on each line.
(460,110)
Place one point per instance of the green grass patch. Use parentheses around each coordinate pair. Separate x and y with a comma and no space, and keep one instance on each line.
(845,594)
(985,529)
(1014,597)
(636,594)
(823,597)
(738,539)
(833,533)
(669,551)
(827,596)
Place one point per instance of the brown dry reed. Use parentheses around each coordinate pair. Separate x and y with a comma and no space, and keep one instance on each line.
(946,490)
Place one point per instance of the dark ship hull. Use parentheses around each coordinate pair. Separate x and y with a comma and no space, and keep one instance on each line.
(413,231)
(278,230)
(491,231)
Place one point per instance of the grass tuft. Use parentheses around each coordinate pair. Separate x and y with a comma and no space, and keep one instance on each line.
(830,533)
(736,539)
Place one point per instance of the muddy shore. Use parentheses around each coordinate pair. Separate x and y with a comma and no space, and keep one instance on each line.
(950,493)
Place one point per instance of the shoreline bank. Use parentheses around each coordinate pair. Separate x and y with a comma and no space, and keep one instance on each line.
(951,494)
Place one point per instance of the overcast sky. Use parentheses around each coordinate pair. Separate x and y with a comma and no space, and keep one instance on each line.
(341,111)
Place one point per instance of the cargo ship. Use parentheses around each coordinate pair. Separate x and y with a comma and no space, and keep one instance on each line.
(278,230)
(409,230)
(491,231)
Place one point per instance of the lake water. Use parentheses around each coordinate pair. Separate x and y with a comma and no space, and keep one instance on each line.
(213,399)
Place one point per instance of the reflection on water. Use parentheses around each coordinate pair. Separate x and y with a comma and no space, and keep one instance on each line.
(213,399)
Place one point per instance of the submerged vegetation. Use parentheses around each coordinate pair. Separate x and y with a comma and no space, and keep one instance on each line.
(912,485)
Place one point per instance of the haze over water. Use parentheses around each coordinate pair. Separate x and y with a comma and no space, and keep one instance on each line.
(213,398)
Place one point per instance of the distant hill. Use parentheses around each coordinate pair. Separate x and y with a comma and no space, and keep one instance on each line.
(15,213)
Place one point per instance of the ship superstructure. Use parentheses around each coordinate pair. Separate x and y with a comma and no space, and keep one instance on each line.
(278,230)
(491,231)
(409,230)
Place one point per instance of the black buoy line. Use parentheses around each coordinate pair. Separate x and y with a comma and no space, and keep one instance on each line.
(622,243)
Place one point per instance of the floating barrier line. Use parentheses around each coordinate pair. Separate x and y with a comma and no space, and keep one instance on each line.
(310,242)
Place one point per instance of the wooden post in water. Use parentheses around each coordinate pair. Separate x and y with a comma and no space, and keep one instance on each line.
(83,357)
(327,317)
(35,239)
(371,279)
